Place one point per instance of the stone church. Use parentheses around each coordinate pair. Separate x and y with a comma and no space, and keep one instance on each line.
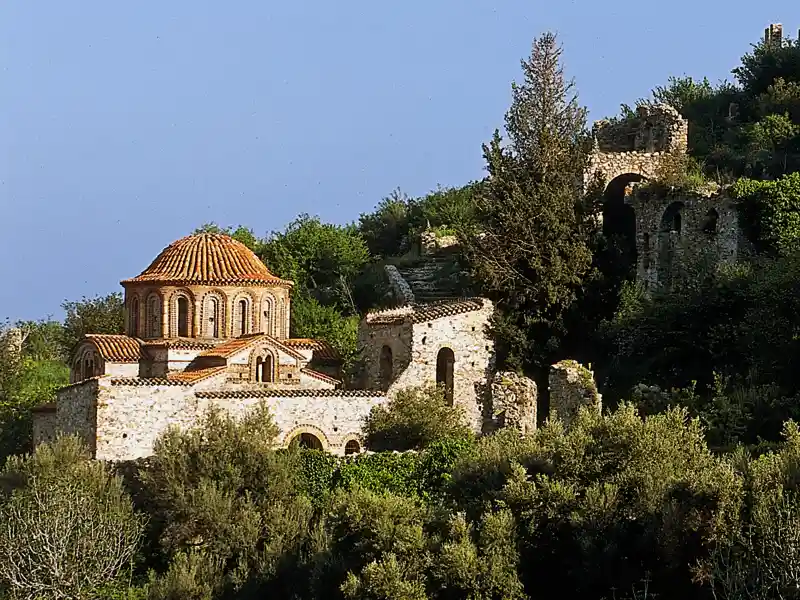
(208,324)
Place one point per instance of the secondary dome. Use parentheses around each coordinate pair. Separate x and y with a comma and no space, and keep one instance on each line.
(208,259)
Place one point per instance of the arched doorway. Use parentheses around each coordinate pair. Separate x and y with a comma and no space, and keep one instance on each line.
(619,229)
(445,363)
(386,367)
(352,447)
(308,441)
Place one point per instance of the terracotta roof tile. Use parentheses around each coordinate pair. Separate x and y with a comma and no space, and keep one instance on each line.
(116,348)
(180,343)
(276,393)
(145,381)
(323,351)
(320,376)
(195,376)
(421,313)
(208,259)
(234,345)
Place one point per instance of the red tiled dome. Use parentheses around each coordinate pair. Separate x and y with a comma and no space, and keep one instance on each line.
(207,259)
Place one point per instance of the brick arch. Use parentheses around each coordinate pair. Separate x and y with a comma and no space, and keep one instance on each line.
(264,352)
(134,306)
(87,363)
(205,307)
(307,428)
(172,311)
(353,437)
(268,317)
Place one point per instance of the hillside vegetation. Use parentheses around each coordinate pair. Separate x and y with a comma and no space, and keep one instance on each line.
(685,488)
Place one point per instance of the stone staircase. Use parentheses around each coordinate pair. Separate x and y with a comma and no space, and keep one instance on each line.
(435,278)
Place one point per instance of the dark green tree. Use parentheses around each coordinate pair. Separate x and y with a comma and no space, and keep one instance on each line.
(530,253)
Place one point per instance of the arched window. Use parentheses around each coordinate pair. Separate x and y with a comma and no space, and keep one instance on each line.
(386,367)
(268,316)
(241,323)
(212,317)
(134,317)
(352,447)
(88,367)
(263,369)
(445,362)
(153,313)
(259,369)
(183,316)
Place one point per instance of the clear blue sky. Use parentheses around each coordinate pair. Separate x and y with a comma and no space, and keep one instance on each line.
(125,125)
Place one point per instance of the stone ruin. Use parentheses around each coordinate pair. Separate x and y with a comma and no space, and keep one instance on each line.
(662,229)
(514,398)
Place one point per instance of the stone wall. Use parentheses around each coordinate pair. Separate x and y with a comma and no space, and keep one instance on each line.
(333,417)
(415,344)
(571,386)
(77,410)
(130,418)
(708,231)
(45,425)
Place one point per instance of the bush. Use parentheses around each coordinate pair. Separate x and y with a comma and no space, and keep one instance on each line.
(414,419)
(69,527)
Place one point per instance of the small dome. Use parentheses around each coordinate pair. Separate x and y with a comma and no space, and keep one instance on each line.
(208,259)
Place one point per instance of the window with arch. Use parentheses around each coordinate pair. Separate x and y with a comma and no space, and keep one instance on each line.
(445,363)
(182,304)
(153,317)
(352,447)
(213,316)
(88,366)
(264,369)
(241,322)
(268,314)
(133,325)
(386,367)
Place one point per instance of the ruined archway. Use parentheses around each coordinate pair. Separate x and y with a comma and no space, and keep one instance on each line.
(308,441)
(618,258)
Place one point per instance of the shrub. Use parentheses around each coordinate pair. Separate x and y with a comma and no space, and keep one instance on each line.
(69,527)
(414,419)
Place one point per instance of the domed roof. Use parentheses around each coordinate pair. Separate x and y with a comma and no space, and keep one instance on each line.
(208,259)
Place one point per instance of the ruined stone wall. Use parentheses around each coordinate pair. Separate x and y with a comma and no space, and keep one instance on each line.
(571,386)
(465,335)
(638,145)
(45,426)
(514,402)
(709,231)
(77,410)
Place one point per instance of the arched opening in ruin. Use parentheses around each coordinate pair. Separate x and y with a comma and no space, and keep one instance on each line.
(386,367)
(308,441)
(183,316)
(671,220)
(352,447)
(618,260)
(709,225)
(445,362)
(669,242)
